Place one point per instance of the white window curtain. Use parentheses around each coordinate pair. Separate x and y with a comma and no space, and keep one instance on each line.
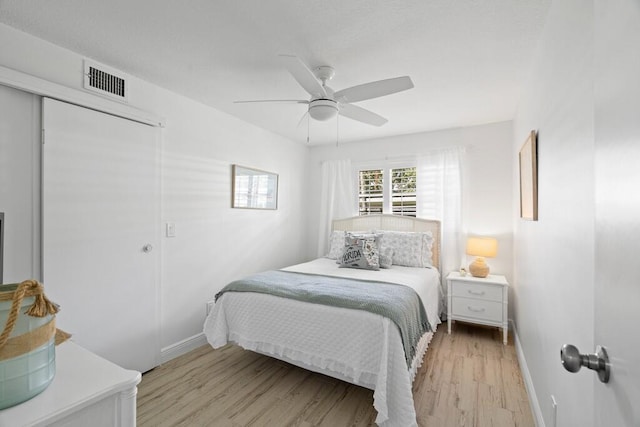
(439,196)
(338,198)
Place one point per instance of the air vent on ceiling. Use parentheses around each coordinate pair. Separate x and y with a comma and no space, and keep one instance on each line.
(105,81)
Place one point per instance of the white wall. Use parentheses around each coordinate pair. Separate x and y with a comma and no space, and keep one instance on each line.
(553,257)
(487,173)
(214,243)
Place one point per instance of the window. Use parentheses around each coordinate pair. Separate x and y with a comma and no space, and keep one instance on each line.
(370,192)
(387,190)
(403,191)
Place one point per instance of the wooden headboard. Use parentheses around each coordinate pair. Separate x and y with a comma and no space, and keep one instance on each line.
(393,223)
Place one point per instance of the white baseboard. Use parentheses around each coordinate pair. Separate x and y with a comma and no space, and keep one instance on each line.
(526,376)
(182,347)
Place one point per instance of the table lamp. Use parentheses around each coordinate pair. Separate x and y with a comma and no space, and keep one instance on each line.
(481,247)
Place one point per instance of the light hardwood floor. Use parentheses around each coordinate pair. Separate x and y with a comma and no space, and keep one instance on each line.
(468,378)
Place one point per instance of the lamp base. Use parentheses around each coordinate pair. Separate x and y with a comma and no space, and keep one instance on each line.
(479,268)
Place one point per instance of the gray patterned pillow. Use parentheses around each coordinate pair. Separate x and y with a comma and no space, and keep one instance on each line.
(410,249)
(336,244)
(386,258)
(361,251)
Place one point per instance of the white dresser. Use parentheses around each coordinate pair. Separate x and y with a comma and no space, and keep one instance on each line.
(478,300)
(86,391)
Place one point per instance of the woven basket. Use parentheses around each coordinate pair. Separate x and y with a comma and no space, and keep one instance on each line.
(27,342)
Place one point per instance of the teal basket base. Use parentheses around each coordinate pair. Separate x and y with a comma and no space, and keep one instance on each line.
(26,376)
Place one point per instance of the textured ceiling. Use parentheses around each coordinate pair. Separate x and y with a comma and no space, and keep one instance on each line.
(467,58)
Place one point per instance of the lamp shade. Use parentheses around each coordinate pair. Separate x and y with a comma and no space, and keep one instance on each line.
(482,246)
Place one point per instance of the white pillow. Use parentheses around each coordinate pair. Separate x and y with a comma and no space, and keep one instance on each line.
(410,248)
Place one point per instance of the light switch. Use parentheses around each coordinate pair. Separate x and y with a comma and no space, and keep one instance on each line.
(171,229)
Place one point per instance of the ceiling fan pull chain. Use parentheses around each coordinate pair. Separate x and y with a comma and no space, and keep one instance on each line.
(337,129)
(308,115)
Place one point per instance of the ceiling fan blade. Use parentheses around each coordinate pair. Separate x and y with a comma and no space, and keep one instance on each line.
(374,89)
(281,101)
(360,114)
(303,75)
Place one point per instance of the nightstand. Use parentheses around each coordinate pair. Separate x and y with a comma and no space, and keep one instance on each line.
(478,300)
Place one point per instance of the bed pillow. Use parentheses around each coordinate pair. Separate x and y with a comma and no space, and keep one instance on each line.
(336,244)
(360,251)
(410,248)
(386,257)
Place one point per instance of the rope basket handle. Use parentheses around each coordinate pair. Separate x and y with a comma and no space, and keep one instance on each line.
(41,307)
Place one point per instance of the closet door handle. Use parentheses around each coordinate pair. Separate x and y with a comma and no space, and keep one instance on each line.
(147,248)
(572,361)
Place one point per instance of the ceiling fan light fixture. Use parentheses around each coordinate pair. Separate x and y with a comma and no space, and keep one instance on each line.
(325,104)
(323,109)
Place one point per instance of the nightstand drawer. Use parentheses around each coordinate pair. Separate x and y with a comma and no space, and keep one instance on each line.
(477,309)
(477,290)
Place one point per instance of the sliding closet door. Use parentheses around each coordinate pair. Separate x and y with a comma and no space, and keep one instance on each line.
(101,231)
(20,184)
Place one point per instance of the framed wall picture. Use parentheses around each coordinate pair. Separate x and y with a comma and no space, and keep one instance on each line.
(254,188)
(529,178)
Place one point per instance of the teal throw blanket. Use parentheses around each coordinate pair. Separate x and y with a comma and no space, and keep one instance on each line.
(399,303)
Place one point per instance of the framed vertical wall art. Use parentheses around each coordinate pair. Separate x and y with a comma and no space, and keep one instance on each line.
(529,178)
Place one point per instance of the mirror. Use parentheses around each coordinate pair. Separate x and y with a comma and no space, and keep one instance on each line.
(254,189)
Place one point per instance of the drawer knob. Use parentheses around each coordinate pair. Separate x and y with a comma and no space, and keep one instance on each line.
(475,309)
(479,293)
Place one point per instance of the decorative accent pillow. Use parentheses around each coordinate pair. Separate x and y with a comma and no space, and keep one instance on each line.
(336,244)
(410,249)
(360,251)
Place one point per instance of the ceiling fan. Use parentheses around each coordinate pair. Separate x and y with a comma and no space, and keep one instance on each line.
(325,104)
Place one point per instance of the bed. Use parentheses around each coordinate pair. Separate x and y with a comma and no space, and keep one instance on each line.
(361,347)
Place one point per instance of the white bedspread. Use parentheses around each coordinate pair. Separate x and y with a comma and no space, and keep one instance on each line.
(357,346)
